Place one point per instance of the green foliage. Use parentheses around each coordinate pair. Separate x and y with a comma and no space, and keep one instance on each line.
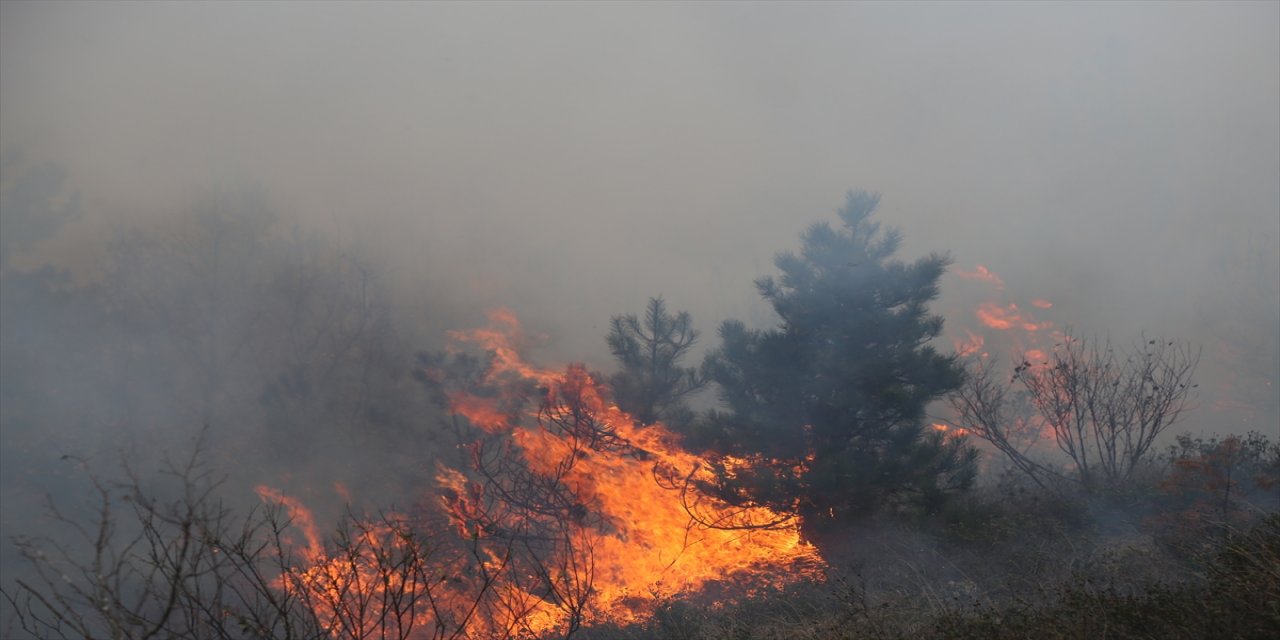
(831,402)
(652,386)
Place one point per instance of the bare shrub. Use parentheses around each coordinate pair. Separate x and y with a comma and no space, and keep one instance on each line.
(177,562)
(146,566)
(1102,408)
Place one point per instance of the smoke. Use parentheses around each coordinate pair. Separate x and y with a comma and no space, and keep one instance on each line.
(1116,159)
(570,160)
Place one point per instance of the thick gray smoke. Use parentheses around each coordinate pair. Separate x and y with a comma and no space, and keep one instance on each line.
(568,161)
(268,198)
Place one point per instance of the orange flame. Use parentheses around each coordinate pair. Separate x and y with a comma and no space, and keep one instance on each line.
(948,430)
(575,513)
(1006,328)
(300,518)
(503,339)
(1008,317)
(651,542)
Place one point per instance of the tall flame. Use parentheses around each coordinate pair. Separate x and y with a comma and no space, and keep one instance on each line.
(571,513)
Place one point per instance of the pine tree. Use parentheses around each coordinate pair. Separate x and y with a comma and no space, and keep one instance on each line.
(652,386)
(829,406)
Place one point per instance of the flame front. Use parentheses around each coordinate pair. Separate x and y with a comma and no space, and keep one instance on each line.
(570,514)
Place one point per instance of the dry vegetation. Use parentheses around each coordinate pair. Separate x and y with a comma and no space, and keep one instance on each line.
(1189,548)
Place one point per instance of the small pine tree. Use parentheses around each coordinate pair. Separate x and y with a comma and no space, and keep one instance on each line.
(652,386)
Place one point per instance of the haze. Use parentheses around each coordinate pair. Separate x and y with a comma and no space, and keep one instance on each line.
(569,160)
(1109,168)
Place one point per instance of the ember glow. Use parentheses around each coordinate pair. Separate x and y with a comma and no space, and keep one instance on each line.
(573,513)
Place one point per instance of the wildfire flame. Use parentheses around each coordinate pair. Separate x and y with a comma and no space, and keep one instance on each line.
(300,519)
(1009,317)
(1002,323)
(1006,328)
(949,430)
(570,514)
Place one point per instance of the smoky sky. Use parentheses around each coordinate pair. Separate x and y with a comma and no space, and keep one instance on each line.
(570,160)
